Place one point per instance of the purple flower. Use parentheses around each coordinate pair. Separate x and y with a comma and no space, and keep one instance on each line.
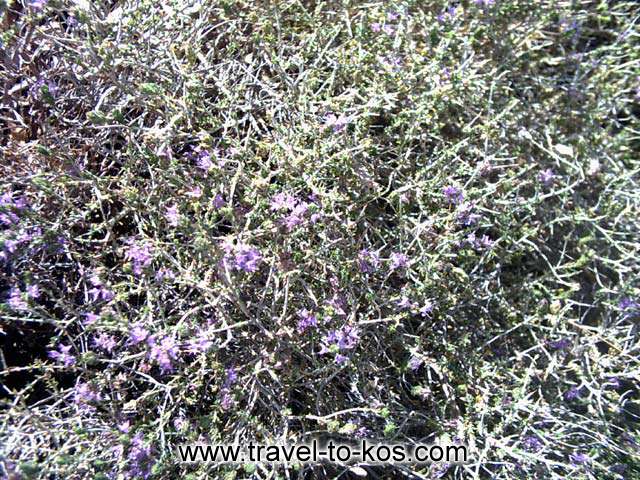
(163,352)
(579,459)
(101,293)
(546,177)
(466,216)
(532,443)
(218,201)
(140,254)
(393,16)
(282,201)
(195,192)
(337,123)
(347,337)
(628,304)
(296,217)
(485,3)
(338,304)
(414,363)
(33,291)
(389,29)
(172,215)
(62,355)
(203,160)
(138,334)
(201,343)
(165,274)
(453,194)
(398,260)
(15,300)
(85,393)
(90,318)
(38,4)
(368,261)
(561,344)
(105,342)
(247,258)
(124,426)
(340,358)
(572,394)
(139,458)
(404,303)
(342,339)
(426,309)
(231,377)
(376,27)
(227,400)
(307,319)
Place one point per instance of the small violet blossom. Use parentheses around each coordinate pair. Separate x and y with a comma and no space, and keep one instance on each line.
(62,355)
(368,261)
(140,254)
(546,177)
(338,124)
(307,320)
(453,194)
(172,215)
(105,342)
(247,258)
(398,261)
(15,300)
(138,334)
(163,351)
(218,201)
(139,459)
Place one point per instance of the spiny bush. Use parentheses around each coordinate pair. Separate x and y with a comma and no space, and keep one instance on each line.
(404,221)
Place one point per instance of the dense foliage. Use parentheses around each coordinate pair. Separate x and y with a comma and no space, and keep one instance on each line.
(406,221)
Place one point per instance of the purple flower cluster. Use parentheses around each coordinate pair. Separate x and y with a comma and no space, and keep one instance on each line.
(546,177)
(297,210)
(465,215)
(338,304)
(172,215)
(561,344)
(105,342)
(138,334)
(8,206)
(219,201)
(99,291)
(448,14)
(85,394)
(204,158)
(398,261)
(163,351)
(482,243)
(485,3)
(62,355)
(453,194)
(140,254)
(307,320)
(139,458)
(414,363)
(368,261)
(16,300)
(339,341)
(337,123)
(231,377)
(532,443)
(201,343)
(247,258)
